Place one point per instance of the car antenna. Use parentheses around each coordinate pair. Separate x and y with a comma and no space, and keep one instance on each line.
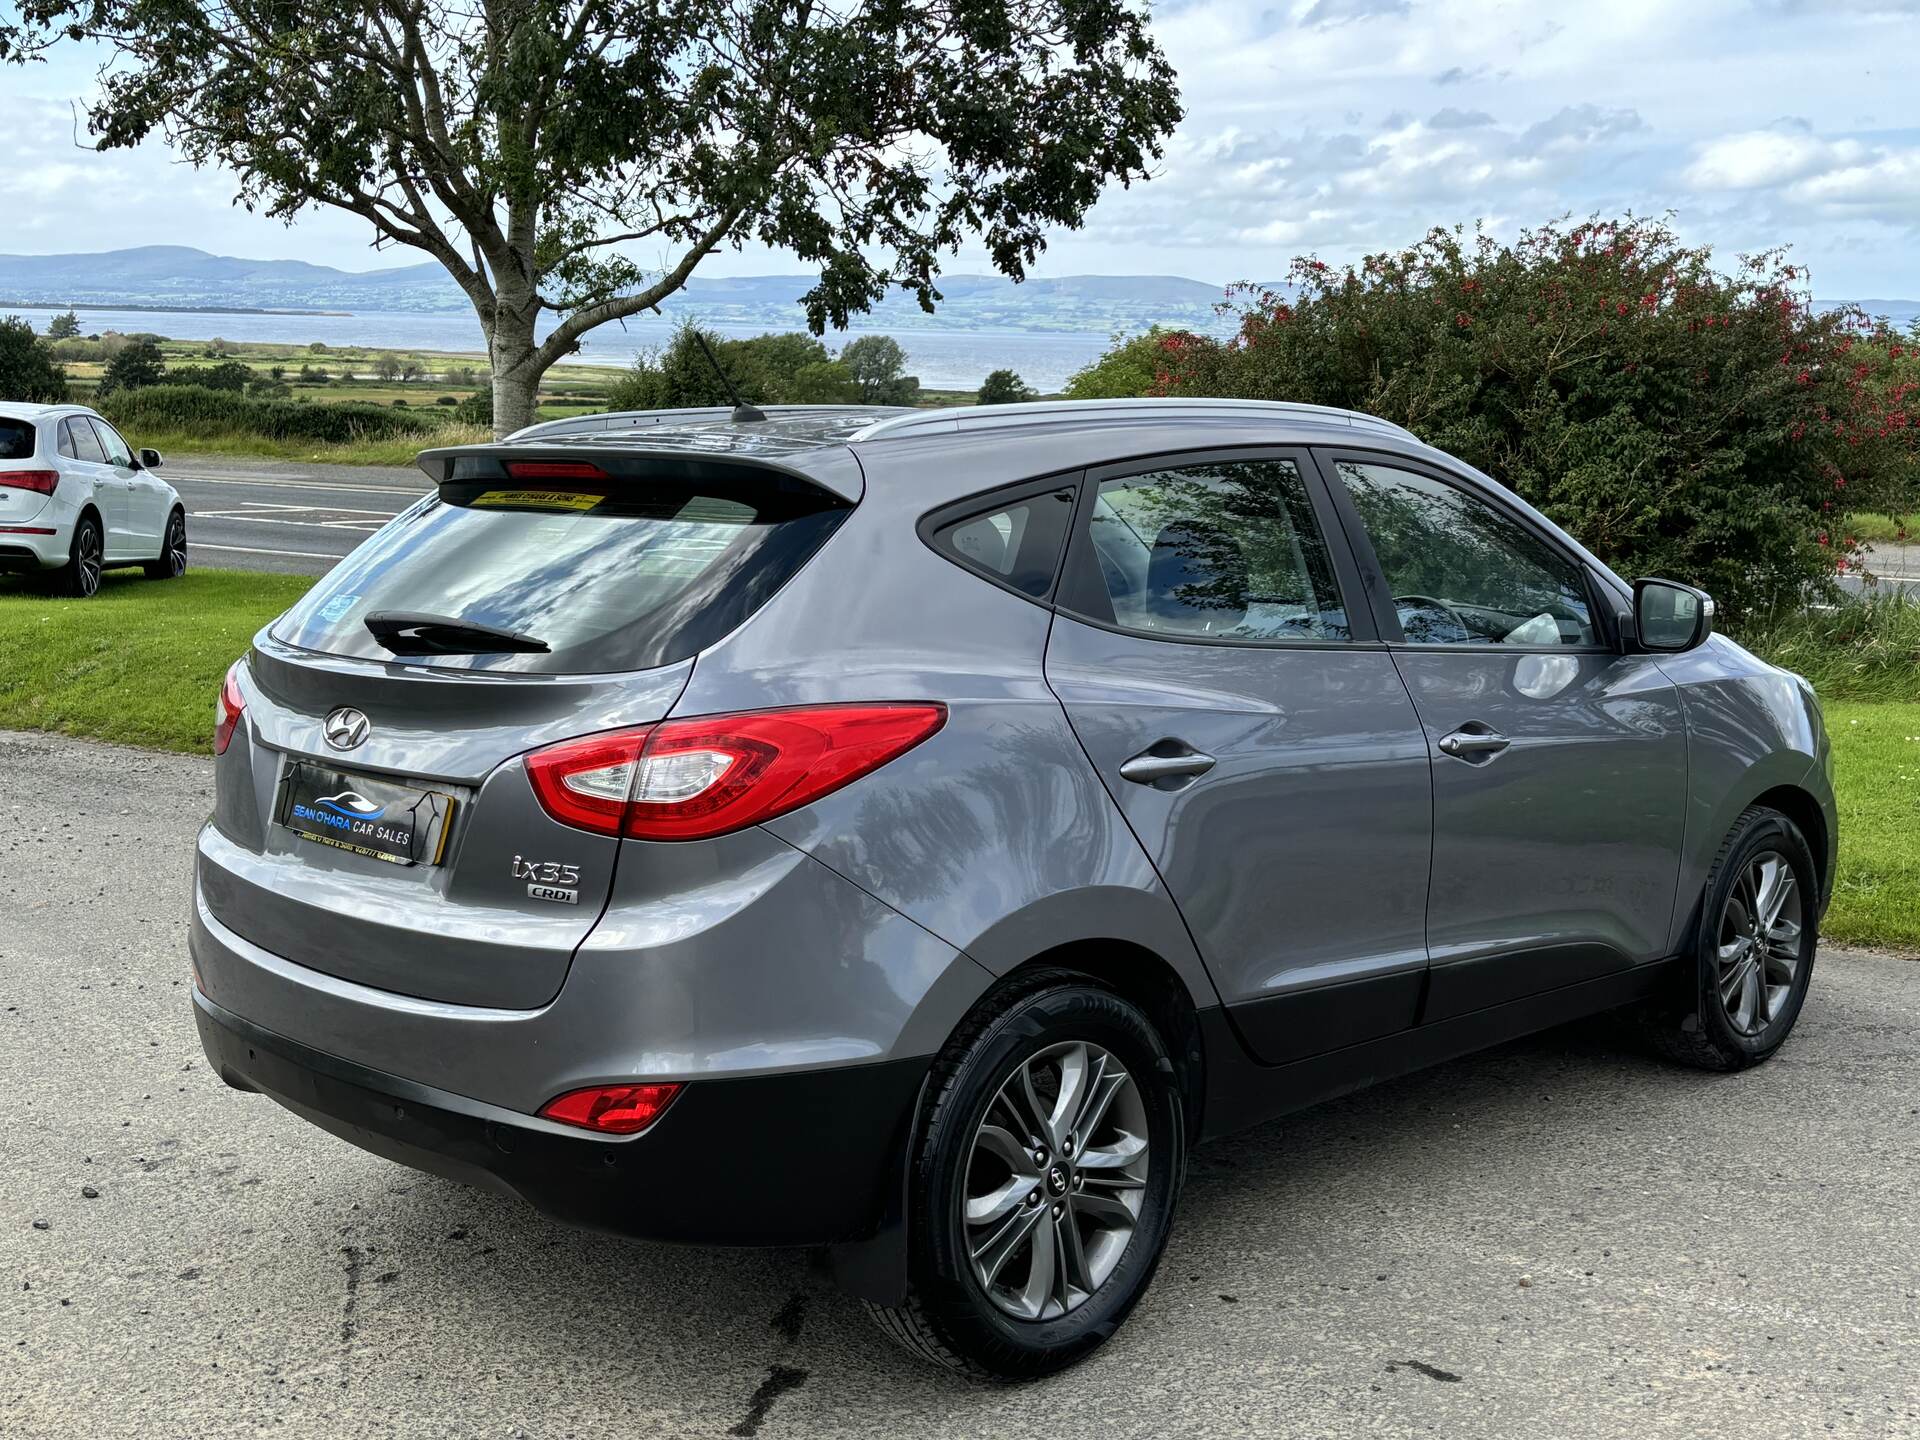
(742,412)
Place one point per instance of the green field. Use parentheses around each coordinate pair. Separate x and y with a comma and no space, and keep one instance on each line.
(140,665)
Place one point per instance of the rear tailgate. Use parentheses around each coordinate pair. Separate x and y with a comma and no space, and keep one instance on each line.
(374,819)
(27,478)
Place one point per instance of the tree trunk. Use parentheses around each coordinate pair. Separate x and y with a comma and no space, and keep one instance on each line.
(516,374)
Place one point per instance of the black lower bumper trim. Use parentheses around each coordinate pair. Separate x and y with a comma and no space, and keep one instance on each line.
(808,1158)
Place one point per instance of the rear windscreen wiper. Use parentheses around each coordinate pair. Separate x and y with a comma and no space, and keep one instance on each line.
(406,632)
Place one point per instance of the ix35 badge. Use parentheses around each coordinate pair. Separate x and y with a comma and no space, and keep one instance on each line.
(550,880)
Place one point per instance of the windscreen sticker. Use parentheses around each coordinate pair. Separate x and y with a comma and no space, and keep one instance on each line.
(337,608)
(537,499)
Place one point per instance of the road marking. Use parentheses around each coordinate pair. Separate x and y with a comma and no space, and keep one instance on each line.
(252,550)
(363,526)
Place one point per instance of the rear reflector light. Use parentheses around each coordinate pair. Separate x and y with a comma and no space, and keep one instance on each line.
(43,481)
(692,779)
(226,714)
(612,1109)
(26,530)
(555,470)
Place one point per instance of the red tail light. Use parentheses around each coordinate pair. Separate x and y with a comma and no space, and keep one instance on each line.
(612,1109)
(555,470)
(227,713)
(691,779)
(43,481)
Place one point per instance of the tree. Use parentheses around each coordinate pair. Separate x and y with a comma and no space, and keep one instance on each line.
(1003,387)
(232,375)
(520,142)
(879,365)
(386,366)
(28,370)
(1711,427)
(411,370)
(63,327)
(135,365)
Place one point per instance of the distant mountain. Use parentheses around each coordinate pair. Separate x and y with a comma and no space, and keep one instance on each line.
(178,277)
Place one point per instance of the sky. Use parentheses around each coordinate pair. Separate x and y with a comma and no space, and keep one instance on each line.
(1327,126)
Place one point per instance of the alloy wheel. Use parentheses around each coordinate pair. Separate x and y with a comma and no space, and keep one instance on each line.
(1757,951)
(1056,1180)
(87,556)
(176,556)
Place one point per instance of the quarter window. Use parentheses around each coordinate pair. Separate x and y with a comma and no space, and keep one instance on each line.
(1226,551)
(1016,543)
(1463,572)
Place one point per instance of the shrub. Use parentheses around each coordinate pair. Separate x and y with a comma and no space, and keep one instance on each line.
(1714,428)
(197,410)
(28,370)
(136,365)
(1129,368)
(476,409)
(447,400)
(1003,387)
(227,375)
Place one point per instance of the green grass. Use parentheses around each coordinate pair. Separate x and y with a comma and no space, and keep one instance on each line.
(1887,528)
(140,663)
(1876,779)
(1859,650)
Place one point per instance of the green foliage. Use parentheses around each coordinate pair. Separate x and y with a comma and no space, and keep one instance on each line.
(230,375)
(789,369)
(28,370)
(1003,387)
(476,409)
(879,368)
(1128,369)
(1859,649)
(199,410)
(1713,428)
(136,365)
(63,327)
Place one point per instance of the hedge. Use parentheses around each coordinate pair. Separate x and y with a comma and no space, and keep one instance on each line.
(216,412)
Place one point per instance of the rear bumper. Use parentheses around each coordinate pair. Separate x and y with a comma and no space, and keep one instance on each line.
(21,551)
(809,1158)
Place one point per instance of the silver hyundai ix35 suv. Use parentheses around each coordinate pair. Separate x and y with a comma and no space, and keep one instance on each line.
(908,833)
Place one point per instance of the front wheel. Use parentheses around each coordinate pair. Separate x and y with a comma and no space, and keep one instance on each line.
(172,561)
(1044,1183)
(1752,953)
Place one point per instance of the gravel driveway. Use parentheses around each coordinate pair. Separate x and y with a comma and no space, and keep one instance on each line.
(1558,1238)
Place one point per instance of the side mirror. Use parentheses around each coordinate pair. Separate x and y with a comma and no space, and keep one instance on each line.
(1669,617)
(150,460)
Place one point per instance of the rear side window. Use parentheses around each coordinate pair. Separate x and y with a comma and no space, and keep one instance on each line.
(114,447)
(1226,551)
(1015,540)
(84,445)
(622,575)
(16,439)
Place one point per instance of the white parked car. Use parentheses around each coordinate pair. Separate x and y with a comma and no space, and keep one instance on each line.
(75,499)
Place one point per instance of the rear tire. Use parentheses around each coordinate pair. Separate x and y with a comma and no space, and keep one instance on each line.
(172,563)
(1743,985)
(1044,1182)
(79,578)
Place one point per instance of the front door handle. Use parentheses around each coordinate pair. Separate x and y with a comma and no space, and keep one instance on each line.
(1473,741)
(1166,764)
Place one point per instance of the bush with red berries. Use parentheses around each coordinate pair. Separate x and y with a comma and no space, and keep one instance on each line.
(1709,427)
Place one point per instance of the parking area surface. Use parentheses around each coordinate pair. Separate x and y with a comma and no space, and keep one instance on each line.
(1562,1237)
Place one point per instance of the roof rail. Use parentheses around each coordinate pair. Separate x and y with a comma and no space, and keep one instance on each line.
(638,419)
(1041,412)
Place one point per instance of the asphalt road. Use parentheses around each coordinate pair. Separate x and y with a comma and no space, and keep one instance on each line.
(285,516)
(1562,1237)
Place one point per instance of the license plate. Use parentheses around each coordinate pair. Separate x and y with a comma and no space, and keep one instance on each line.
(396,823)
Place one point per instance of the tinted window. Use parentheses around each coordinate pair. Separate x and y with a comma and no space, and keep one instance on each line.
(16,439)
(110,441)
(1463,572)
(85,445)
(1017,543)
(641,574)
(1228,551)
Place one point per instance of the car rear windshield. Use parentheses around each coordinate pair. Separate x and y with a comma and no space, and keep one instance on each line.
(624,574)
(16,439)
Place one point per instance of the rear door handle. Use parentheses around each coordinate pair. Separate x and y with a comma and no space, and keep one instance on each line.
(1473,741)
(1168,760)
